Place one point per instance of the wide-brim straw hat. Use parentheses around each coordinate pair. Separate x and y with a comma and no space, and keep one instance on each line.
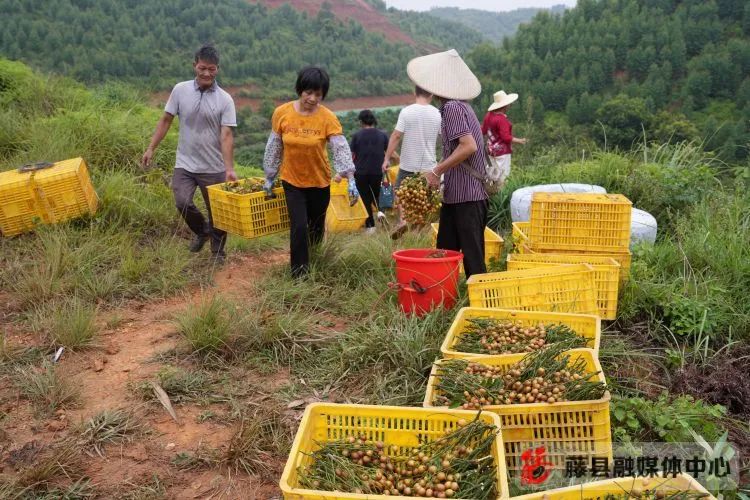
(501,99)
(444,74)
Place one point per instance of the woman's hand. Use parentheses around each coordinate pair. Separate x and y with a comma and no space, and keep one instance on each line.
(337,178)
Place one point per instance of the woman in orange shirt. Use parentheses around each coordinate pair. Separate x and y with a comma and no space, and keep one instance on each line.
(296,148)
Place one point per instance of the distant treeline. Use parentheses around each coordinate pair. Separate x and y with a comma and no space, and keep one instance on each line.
(492,25)
(629,69)
(150,44)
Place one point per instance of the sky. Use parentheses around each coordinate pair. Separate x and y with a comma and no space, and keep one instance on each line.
(497,5)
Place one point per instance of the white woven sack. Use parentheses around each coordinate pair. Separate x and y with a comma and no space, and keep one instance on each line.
(520,201)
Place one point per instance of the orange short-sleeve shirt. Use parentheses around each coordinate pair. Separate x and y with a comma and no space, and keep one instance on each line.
(305,159)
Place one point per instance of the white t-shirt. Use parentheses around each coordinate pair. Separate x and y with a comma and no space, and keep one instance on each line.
(420,124)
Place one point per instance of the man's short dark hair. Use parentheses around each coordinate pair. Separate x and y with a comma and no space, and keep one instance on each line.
(421,92)
(367,117)
(207,54)
(312,78)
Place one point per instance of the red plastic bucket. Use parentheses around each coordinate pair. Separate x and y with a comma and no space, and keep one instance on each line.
(426,281)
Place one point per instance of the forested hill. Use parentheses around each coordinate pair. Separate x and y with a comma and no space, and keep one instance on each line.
(151,43)
(680,68)
(493,25)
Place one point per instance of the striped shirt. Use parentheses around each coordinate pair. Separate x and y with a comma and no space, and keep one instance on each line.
(459,186)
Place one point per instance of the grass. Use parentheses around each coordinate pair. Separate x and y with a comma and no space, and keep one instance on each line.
(74,325)
(383,360)
(182,386)
(12,357)
(153,490)
(62,461)
(260,438)
(202,458)
(208,326)
(46,388)
(109,426)
(79,489)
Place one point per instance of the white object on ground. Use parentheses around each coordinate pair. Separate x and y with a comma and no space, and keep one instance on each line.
(520,201)
(642,227)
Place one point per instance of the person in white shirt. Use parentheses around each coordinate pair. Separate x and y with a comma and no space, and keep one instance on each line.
(417,130)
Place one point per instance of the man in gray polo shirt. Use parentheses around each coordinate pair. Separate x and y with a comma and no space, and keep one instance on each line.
(205,153)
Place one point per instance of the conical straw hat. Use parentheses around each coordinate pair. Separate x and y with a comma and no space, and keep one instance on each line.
(444,74)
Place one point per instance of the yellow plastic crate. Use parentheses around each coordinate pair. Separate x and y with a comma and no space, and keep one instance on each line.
(340,188)
(45,193)
(392,174)
(521,243)
(565,289)
(65,190)
(393,425)
(248,215)
(493,243)
(578,428)
(601,490)
(587,326)
(606,274)
(341,217)
(586,222)
(19,209)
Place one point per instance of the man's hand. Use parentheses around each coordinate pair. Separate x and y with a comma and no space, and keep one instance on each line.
(231,175)
(433,180)
(337,178)
(146,159)
(385,165)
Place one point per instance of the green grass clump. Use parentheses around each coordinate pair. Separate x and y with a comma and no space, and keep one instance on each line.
(109,426)
(73,325)
(46,388)
(260,437)
(386,359)
(182,386)
(208,326)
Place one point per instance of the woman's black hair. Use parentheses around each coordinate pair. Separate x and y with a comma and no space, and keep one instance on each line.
(367,117)
(312,78)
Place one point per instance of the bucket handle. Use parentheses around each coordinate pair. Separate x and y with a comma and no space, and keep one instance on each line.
(414,286)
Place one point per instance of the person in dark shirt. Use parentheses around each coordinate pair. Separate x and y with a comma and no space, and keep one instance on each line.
(368,147)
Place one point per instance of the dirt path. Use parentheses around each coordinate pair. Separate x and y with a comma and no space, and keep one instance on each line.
(125,358)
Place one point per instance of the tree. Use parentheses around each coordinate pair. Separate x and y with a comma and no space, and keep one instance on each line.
(673,127)
(622,119)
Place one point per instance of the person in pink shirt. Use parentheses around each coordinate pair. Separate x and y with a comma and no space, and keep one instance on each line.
(498,132)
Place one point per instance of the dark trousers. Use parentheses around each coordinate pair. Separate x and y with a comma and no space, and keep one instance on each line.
(368,186)
(462,228)
(184,184)
(307,217)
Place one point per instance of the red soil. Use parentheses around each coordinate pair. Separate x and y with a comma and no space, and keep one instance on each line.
(358,10)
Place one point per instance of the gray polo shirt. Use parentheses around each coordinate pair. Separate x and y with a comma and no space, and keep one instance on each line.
(202,114)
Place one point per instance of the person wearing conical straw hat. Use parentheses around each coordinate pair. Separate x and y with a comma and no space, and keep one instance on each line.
(463,214)
(499,132)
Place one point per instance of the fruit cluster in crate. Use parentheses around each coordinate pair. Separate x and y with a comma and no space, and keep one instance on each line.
(464,338)
(348,451)
(545,376)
